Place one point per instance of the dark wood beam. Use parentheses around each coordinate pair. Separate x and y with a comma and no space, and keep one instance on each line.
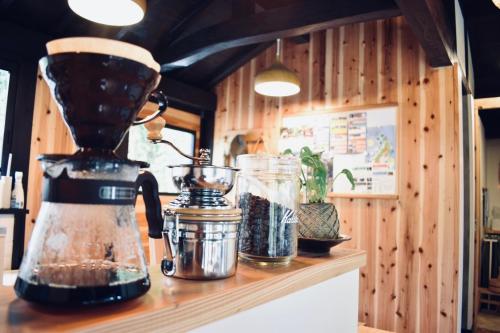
(5,4)
(187,19)
(302,39)
(21,43)
(242,8)
(227,68)
(293,20)
(430,22)
(162,22)
(187,97)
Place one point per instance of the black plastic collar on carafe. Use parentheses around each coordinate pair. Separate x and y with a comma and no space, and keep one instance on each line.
(87,191)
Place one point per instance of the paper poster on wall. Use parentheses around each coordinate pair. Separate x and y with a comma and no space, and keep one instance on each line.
(363,141)
(313,132)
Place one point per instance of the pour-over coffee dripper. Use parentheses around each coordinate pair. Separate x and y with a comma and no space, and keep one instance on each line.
(85,247)
(100,95)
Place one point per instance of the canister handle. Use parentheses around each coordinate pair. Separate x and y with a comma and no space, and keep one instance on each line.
(171,239)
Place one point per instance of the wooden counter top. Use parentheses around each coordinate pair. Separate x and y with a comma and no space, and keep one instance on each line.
(180,305)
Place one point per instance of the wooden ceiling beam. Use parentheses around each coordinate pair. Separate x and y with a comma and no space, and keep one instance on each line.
(302,39)
(293,20)
(186,20)
(429,21)
(242,8)
(187,97)
(247,53)
(5,4)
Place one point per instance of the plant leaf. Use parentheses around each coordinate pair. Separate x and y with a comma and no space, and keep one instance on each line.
(350,177)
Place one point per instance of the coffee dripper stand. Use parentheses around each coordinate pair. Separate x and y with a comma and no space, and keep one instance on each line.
(85,247)
(201,227)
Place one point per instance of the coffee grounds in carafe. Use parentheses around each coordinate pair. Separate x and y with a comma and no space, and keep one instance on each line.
(78,296)
(92,282)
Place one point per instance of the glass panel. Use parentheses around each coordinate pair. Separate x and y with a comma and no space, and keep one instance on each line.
(4,94)
(161,155)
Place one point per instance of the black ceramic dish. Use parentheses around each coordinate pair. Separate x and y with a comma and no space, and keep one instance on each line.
(320,247)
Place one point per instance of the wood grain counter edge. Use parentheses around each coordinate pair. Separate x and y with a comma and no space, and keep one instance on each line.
(198,312)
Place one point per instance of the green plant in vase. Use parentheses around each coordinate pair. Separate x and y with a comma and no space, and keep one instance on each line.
(317,218)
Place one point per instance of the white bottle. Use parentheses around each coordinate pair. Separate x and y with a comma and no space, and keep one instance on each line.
(17,199)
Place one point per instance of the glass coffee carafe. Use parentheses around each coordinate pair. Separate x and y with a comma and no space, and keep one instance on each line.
(85,247)
(87,252)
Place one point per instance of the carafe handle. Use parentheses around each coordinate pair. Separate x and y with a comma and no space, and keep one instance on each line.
(151,196)
(162,107)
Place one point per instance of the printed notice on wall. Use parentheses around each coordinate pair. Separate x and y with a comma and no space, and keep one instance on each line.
(362,141)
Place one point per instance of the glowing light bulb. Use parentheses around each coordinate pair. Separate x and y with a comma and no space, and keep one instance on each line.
(110,12)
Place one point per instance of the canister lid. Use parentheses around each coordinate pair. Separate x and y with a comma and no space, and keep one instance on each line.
(270,163)
(196,214)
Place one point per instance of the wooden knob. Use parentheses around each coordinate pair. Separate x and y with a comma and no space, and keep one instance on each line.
(154,128)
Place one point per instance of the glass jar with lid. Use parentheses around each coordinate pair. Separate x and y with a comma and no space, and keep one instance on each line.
(268,190)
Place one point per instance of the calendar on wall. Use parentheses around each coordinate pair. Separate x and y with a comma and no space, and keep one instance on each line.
(362,140)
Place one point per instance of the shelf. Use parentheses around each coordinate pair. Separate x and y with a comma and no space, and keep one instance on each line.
(13,211)
(181,305)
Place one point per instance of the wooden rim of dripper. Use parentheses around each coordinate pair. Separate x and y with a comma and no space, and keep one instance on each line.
(103,46)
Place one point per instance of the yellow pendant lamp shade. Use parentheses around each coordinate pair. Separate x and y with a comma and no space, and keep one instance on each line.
(277,80)
(110,12)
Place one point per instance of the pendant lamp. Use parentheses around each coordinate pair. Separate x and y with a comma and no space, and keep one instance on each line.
(277,80)
(110,12)
(497,3)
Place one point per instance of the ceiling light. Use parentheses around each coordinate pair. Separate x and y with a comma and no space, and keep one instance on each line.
(277,80)
(110,12)
(496,3)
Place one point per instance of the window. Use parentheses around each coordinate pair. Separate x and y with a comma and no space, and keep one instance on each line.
(4,94)
(159,156)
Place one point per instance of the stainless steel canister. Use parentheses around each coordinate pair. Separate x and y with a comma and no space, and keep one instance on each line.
(201,244)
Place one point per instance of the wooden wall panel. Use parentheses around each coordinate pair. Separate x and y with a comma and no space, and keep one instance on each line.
(409,170)
(430,184)
(410,282)
(316,88)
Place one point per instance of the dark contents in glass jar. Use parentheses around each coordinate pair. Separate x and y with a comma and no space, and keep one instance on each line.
(266,227)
